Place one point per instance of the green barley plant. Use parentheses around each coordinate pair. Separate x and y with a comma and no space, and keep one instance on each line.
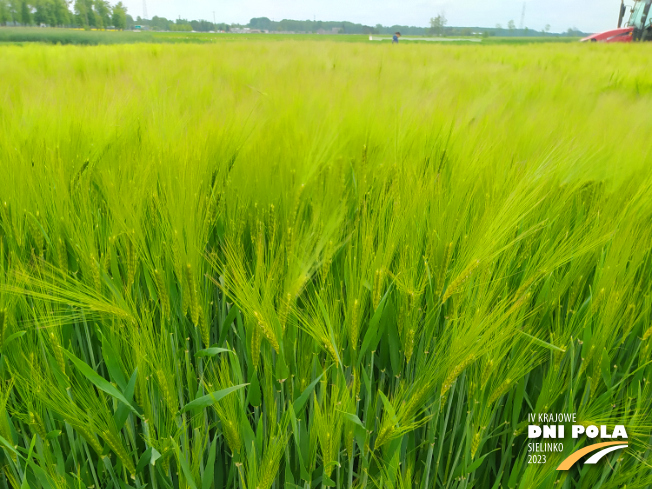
(255,264)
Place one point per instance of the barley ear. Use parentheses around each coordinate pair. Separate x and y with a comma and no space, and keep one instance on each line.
(456,284)
(444,268)
(161,288)
(3,321)
(62,256)
(193,296)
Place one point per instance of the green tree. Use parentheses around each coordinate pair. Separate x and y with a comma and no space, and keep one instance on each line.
(202,25)
(511,25)
(25,13)
(81,13)
(119,16)
(102,13)
(262,23)
(159,23)
(437,25)
(13,8)
(4,12)
(85,15)
(92,17)
(180,27)
(44,12)
(61,13)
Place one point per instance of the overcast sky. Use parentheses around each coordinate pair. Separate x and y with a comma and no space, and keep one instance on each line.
(587,15)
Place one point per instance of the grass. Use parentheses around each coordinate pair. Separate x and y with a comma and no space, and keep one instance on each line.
(264,265)
(95,37)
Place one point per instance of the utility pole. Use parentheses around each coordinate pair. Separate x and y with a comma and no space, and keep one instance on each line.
(523,17)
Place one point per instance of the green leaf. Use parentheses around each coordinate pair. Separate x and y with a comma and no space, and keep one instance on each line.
(210,399)
(40,474)
(541,342)
(230,317)
(477,463)
(354,419)
(212,351)
(374,331)
(305,395)
(12,337)
(122,412)
(297,433)
(113,286)
(208,477)
(8,446)
(155,456)
(254,396)
(516,472)
(282,370)
(184,466)
(144,460)
(389,409)
(112,365)
(99,381)
(518,400)
(326,481)
(462,470)
(149,457)
(248,435)
(392,338)
(53,434)
(360,431)
(25,484)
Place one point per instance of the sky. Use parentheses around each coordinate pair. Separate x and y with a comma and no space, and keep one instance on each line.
(586,15)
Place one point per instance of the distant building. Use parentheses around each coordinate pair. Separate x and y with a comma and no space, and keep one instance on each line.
(247,30)
(334,30)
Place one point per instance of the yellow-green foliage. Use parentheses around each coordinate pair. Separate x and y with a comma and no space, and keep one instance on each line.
(294,264)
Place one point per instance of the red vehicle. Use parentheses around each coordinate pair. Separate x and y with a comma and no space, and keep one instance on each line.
(637,28)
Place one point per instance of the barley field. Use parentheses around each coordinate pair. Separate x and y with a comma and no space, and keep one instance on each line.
(291,264)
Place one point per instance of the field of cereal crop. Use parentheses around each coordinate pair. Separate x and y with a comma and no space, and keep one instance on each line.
(318,264)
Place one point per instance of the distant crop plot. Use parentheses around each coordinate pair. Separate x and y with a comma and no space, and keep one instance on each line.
(94,37)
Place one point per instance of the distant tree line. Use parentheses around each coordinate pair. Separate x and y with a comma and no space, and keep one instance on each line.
(97,14)
(163,24)
(438,27)
(100,14)
(314,26)
(513,31)
(266,24)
